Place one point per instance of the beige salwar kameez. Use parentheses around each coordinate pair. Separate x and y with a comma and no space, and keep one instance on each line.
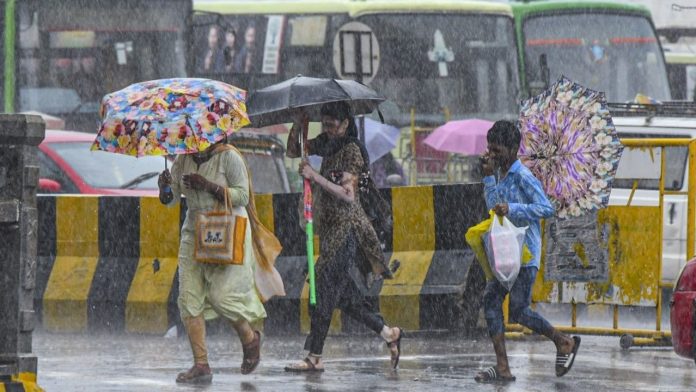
(209,289)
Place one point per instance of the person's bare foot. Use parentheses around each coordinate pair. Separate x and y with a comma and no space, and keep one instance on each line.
(395,346)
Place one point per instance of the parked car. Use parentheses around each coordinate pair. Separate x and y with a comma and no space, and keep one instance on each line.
(68,166)
(682,312)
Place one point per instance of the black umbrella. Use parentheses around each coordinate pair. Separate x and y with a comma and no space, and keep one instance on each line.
(276,104)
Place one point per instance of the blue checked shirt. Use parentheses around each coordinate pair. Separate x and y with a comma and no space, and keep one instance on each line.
(527,203)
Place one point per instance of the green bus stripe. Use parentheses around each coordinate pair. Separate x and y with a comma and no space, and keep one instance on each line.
(10,31)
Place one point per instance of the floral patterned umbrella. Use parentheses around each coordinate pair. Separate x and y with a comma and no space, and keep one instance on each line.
(169,116)
(570,144)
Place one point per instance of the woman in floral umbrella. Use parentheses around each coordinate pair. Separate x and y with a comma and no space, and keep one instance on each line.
(228,290)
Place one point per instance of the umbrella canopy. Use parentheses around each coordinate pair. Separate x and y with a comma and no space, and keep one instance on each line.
(169,116)
(467,137)
(380,138)
(276,104)
(570,144)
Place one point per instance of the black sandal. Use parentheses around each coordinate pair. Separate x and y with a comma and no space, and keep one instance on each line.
(310,368)
(564,362)
(491,375)
(397,342)
(252,354)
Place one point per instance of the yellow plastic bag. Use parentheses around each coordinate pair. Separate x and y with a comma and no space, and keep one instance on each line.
(474,237)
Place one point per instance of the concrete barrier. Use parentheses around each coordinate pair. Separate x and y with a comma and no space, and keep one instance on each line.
(109,263)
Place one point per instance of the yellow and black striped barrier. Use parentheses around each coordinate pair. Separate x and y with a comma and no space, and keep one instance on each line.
(109,263)
(22,382)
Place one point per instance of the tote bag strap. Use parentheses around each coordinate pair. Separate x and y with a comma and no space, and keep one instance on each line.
(266,244)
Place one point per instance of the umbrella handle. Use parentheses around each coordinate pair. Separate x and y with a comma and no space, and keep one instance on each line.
(165,163)
(303,139)
(309,227)
(309,231)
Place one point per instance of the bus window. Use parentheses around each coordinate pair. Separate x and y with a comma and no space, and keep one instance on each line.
(72,53)
(441,66)
(681,71)
(644,165)
(618,54)
(232,46)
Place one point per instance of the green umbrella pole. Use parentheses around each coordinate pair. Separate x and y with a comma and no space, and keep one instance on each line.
(309,227)
(310,262)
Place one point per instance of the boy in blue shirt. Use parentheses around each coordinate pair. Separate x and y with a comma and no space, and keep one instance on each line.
(517,195)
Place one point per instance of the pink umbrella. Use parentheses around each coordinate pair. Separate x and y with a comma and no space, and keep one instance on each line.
(467,137)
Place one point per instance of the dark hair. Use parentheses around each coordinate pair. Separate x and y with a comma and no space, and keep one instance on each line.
(341,110)
(505,133)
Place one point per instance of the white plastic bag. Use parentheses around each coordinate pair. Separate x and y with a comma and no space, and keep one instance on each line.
(503,243)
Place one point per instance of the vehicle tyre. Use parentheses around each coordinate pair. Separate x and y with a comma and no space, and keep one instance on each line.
(626,341)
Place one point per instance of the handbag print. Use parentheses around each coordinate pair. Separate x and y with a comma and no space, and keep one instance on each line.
(220,236)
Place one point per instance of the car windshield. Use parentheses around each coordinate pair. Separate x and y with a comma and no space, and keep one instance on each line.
(102,169)
(618,54)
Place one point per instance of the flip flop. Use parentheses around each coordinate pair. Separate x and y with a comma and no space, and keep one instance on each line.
(564,362)
(395,358)
(310,368)
(491,375)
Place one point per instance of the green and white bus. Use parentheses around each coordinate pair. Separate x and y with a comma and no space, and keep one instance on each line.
(607,46)
(62,56)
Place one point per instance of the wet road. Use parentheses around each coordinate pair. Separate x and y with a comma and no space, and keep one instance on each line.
(443,363)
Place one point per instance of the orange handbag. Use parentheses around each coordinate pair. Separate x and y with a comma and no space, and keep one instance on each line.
(220,236)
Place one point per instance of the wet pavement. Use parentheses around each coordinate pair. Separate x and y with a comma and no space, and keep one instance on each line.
(358,363)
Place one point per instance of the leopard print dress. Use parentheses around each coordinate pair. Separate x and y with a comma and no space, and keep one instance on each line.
(336,218)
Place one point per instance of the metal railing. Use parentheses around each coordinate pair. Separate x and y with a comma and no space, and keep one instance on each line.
(643,337)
